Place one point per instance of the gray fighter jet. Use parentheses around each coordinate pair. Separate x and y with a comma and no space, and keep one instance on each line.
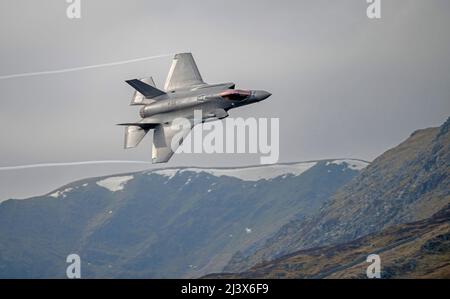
(184,92)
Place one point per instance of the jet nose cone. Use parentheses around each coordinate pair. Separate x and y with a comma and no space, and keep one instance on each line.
(261,95)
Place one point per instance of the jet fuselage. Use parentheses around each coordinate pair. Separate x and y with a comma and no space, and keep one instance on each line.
(207,98)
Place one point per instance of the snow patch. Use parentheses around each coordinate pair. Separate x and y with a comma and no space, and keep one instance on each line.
(256,173)
(352,164)
(115,183)
(253,173)
(61,193)
(170,173)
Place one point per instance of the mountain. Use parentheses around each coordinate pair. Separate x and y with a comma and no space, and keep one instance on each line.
(405,184)
(182,222)
(415,250)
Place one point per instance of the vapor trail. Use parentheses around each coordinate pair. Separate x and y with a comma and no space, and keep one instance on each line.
(80,68)
(72,164)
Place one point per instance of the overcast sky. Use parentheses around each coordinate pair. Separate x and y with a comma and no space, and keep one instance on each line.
(342,85)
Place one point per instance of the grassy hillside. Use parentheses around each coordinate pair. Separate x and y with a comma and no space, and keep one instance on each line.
(415,250)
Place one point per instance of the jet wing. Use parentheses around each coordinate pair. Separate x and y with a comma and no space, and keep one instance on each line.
(183,73)
(163,137)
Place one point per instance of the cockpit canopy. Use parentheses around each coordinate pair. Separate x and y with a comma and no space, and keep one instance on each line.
(235,94)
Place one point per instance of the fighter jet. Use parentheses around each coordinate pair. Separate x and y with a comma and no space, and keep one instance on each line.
(184,92)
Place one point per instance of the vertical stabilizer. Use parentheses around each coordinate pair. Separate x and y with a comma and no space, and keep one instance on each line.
(134,135)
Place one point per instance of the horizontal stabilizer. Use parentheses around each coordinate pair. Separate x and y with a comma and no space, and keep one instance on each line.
(139,98)
(147,90)
(141,125)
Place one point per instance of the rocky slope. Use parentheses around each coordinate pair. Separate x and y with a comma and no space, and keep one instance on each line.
(415,250)
(162,223)
(407,183)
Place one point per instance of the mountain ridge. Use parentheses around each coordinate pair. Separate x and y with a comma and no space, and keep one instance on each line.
(181,168)
(144,224)
(406,183)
